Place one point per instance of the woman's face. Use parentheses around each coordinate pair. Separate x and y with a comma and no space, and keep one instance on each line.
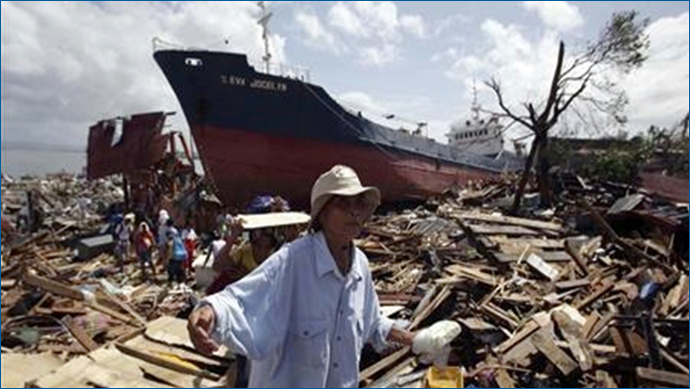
(343,217)
(262,247)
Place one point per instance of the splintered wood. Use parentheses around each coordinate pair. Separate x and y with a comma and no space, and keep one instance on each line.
(541,304)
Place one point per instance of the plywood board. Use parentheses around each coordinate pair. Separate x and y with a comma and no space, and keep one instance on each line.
(17,369)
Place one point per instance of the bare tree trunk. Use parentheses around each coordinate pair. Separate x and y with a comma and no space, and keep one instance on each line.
(543,179)
(525,177)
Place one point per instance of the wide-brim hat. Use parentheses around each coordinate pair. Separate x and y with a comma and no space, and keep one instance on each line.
(340,181)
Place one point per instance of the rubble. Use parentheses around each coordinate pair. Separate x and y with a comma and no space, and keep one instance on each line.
(593,293)
(579,296)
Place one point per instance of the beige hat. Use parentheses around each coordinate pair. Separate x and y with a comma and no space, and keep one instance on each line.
(341,181)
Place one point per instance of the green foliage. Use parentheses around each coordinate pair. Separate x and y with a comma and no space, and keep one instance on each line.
(621,164)
(622,42)
(671,148)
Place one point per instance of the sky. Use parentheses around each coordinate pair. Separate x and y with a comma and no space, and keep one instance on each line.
(66,65)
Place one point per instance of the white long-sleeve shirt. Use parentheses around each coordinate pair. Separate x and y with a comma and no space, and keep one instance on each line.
(300,321)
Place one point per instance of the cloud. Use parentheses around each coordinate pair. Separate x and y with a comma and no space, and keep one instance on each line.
(361,101)
(450,23)
(66,65)
(316,35)
(450,54)
(378,56)
(557,15)
(343,18)
(522,66)
(414,24)
(659,91)
(374,29)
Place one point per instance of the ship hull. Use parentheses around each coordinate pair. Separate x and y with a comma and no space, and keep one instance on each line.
(242,164)
(262,134)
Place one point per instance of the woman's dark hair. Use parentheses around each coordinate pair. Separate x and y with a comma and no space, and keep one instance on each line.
(315,226)
(256,234)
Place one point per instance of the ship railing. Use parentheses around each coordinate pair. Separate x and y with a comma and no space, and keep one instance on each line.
(294,72)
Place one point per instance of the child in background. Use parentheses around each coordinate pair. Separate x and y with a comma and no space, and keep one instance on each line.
(143,242)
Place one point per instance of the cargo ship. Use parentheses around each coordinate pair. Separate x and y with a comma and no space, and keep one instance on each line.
(274,132)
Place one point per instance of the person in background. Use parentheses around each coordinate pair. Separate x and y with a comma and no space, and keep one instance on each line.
(143,242)
(123,233)
(163,218)
(189,238)
(178,255)
(238,257)
(303,316)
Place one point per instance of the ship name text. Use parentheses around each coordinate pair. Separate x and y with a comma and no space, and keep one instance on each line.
(255,83)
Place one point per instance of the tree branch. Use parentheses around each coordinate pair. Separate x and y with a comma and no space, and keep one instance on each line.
(493,84)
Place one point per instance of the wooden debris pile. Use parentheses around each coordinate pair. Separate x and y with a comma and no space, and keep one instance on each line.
(53,303)
(586,300)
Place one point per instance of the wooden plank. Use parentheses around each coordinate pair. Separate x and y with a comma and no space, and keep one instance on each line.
(503,379)
(542,267)
(547,256)
(674,297)
(600,325)
(110,312)
(475,241)
(472,273)
(383,364)
(543,342)
(613,236)
(596,348)
(488,229)
(670,358)
(372,370)
(572,284)
(518,244)
(438,300)
(71,375)
(582,353)
(575,254)
(185,368)
(604,380)
(53,287)
(392,373)
(515,221)
(500,315)
(213,362)
(127,308)
(605,288)
(18,369)
(591,321)
(520,355)
(8,284)
(107,377)
(528,329)
(663,378)
(173,331)
(623,347)
(82,337)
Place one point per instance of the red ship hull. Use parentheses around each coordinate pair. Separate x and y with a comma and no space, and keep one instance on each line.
(242,164)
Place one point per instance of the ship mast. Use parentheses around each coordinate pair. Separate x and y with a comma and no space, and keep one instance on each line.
(475,105)
(263,22)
